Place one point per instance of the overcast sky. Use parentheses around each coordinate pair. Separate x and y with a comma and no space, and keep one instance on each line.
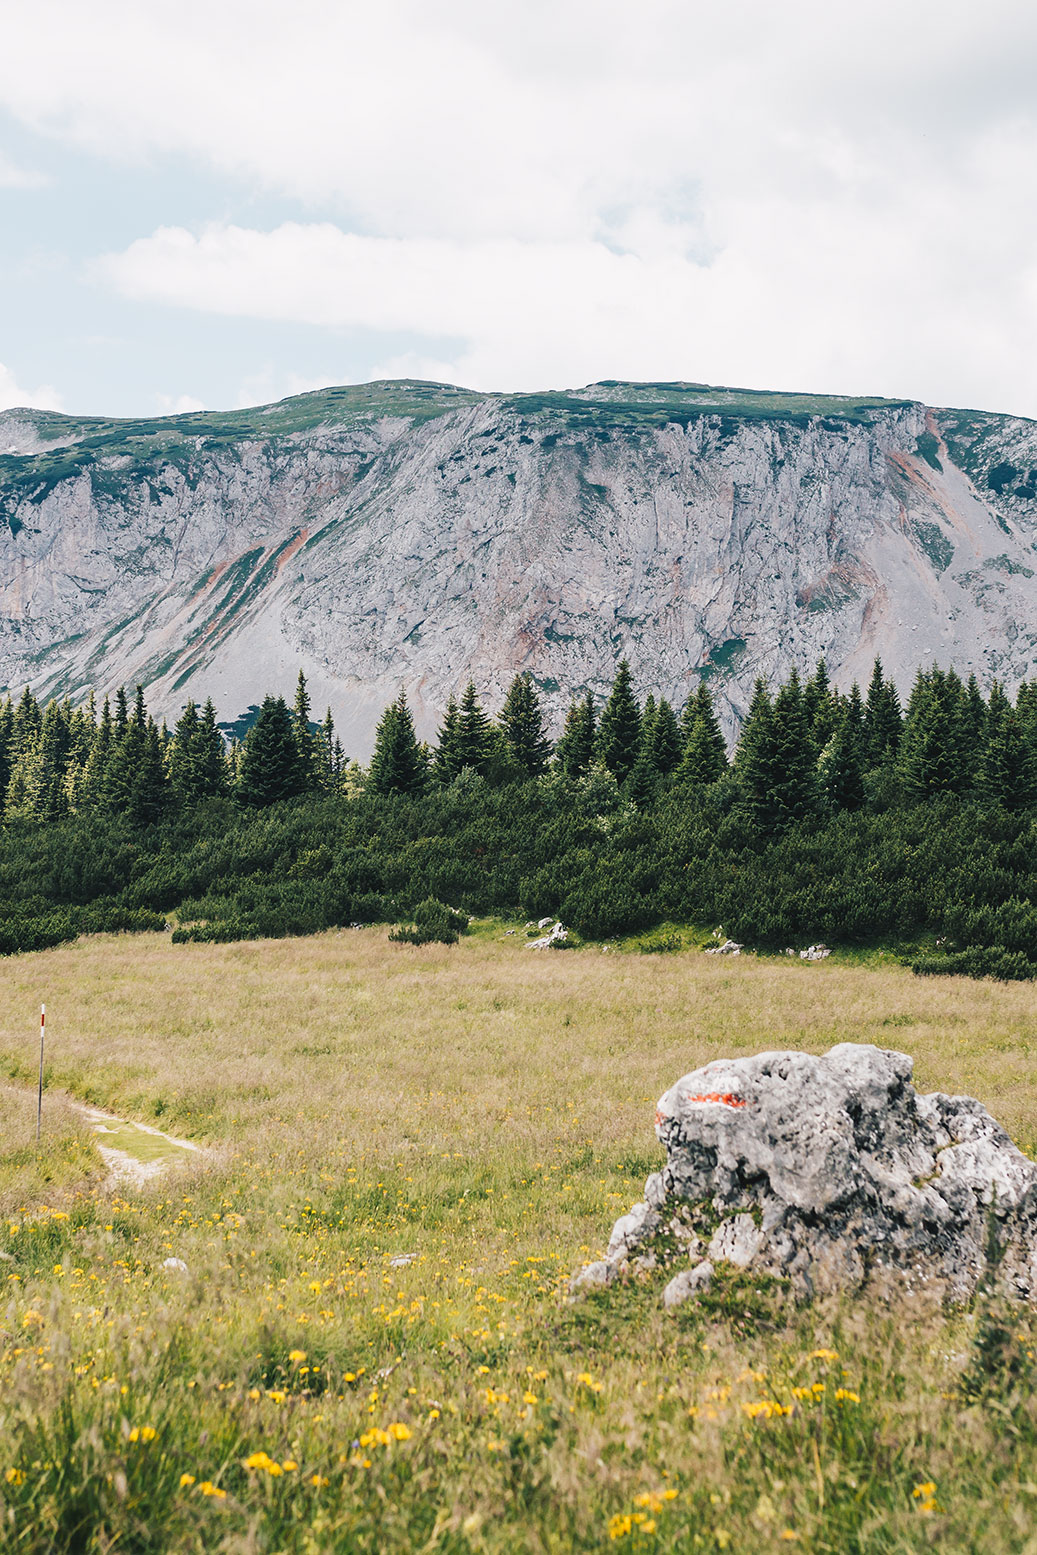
(216,204)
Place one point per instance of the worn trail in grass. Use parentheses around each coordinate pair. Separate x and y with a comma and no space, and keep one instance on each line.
(487,1112)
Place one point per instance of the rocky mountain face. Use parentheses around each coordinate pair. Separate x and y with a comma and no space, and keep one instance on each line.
(412,535)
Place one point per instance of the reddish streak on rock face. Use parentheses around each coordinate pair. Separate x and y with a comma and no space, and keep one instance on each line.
(727,1099)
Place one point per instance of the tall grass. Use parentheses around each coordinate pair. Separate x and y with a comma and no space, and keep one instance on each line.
(487,1112)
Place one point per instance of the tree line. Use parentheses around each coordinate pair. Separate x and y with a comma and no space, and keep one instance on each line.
(838,815)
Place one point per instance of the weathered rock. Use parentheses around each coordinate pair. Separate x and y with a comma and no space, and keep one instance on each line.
(831,1171)
(559,935)
(728,948)
(690,1282)
(814,953)
(594,1276)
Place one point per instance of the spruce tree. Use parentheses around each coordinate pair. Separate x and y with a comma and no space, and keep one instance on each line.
(183,756)
(270,766)
(700,762)
(931,757)
(1007,771)
(303,732)
(794,789)
(521,723)
(121,718)
(754,759)
(883,721)
(476,740)
(843,760)
(821,705)
(97,760)
(212,758)
(619,729)
(664,745)
(147,794)
(6,746)
(574,754)
(447,757)
(398,764)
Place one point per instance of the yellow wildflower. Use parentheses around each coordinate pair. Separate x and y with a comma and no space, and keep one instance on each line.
(296,1356)
(824,1355)
(924,1491)
(15,1477)
(399,1432)
(262,1460)
(207,1488)
(143,1433)
(620,1525)
(846,1396)
(318,1481)
(186,1480)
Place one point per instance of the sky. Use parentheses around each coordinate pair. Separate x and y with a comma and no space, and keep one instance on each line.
(217,204)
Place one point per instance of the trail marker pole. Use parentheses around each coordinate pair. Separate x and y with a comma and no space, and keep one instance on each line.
(39,1094)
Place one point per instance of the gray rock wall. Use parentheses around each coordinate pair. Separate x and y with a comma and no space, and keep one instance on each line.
(386,550)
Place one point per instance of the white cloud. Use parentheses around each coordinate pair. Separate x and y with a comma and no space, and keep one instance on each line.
(803,194)
(178,404)
(14,177)
(538,314)
(13,396)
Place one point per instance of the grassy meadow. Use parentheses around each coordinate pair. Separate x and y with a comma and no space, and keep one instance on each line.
(406,1154)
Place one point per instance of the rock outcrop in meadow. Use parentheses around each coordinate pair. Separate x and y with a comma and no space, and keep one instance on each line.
(830,1172)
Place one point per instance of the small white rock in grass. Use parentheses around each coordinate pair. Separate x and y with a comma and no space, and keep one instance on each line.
(401,1260)
(690,1282)
(175,1263)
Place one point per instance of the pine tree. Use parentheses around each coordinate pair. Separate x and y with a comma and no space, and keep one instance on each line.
(794,790)
(303,732)
(398,764)
(213,768)
(642,782)
(447,758)
(700,762)
(475,738)
(883,721)
(701,729)
(27,722)
(931,758)
(126,754)
(754,758)
(97,761)
(183,756)
(842,762)
(521,723)
(147,794)
(574,753)
(122,716)
(270,765)
(1007,771)
(821,705)
(6,746)
(664,746)
(619,729)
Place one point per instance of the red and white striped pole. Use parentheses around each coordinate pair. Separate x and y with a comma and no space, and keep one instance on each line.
(39,1095)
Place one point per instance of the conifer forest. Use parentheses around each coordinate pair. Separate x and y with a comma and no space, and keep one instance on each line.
(839,816)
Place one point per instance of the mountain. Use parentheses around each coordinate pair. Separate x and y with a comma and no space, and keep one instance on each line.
(412,534)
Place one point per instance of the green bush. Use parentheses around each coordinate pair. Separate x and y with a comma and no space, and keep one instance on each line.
(434,923)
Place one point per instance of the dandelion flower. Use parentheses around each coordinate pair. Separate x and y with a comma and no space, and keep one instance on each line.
(207,1488)
(186,1480)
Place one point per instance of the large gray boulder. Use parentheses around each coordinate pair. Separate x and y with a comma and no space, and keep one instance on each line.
(832,1172)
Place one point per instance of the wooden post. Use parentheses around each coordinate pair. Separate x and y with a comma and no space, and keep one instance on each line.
(39,1094)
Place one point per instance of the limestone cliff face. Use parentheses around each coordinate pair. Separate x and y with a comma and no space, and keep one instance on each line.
(412,535)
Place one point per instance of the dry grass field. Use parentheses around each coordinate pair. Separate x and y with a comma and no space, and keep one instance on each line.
(487,1113)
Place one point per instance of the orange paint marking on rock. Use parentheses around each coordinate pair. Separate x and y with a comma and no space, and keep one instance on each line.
(725,1098)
